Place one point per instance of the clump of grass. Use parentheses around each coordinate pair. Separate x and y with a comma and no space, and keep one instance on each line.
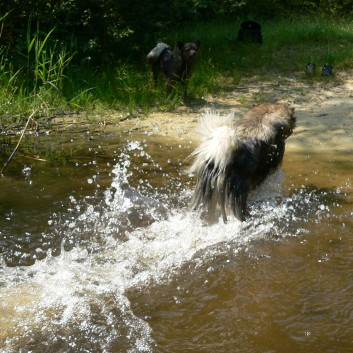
(47,62)
(37,85)
(320,41)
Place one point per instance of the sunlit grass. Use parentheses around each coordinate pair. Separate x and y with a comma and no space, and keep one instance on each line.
(37,84)
(51,82)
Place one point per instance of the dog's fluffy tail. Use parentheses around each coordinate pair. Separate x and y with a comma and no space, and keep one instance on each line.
(217,188)
(155,53)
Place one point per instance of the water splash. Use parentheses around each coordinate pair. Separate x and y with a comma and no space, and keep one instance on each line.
(77,301)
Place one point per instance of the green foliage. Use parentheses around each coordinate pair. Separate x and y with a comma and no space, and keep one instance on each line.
(286,8)
(105,30)
(38,84)
(46,61)
(288,46)
(75,54)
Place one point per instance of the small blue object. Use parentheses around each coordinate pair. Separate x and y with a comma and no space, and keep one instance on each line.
(326,70)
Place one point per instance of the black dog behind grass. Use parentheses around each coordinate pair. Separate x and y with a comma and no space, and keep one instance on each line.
(236,158)
(176,65)
(250,32)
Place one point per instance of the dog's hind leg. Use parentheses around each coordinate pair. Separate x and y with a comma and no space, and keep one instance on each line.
(238,200)
(223,209)
(155,72)
(170,82)
(241,208)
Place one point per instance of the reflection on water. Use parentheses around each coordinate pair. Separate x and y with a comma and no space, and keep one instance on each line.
(101,254)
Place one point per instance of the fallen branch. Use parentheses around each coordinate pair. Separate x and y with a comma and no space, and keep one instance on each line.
(18,144)
(36,158)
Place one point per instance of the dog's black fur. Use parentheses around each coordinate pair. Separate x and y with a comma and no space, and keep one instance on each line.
(236,158)
(250,32)
(176,65)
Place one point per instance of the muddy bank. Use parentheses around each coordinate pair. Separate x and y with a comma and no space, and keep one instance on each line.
(323,108)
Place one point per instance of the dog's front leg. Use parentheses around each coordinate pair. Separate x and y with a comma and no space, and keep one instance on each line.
(185,84)
(185,80)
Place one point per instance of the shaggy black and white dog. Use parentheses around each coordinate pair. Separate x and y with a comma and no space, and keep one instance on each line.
(236,157)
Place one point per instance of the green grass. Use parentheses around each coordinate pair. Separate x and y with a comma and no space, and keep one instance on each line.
(288,46)
(50,82)
(36,86)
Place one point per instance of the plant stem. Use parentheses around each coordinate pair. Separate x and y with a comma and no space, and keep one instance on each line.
(18,144)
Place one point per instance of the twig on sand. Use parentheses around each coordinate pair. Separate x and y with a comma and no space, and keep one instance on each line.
(18,144)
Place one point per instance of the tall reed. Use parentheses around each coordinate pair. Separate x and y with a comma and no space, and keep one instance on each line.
(38,84)
(47,60)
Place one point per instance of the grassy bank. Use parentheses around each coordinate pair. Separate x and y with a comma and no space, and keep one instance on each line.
(50,81)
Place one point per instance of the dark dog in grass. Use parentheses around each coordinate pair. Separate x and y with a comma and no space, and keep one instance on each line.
(236,158)
(250,32)
(176,65)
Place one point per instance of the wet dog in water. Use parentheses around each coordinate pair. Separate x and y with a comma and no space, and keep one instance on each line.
(236,157)
(176,65)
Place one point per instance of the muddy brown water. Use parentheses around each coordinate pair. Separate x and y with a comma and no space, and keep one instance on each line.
(99,253)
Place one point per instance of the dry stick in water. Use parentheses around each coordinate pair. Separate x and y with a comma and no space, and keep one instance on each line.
(18,143)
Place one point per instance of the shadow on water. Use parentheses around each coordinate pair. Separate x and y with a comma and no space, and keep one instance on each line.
(99,253)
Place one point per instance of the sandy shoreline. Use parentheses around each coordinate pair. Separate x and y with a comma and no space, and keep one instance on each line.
(324,112)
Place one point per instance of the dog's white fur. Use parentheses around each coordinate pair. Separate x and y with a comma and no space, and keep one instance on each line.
(220,140)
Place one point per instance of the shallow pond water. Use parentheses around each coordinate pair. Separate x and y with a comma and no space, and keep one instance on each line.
(99,253)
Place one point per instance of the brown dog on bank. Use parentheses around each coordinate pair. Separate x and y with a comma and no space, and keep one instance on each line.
(235,158)
(176,65)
